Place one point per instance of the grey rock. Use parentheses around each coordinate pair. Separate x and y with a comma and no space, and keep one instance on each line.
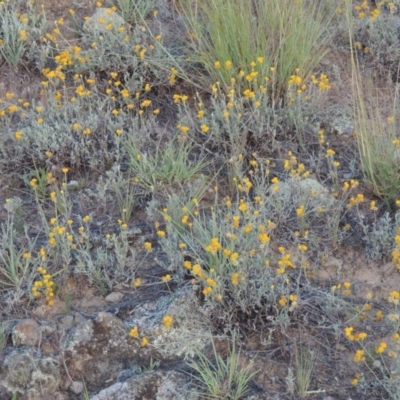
(100,349)
(333,262)
(310,189)
(66,322)
(97,23)
(114,297)
(26,333)
(169,385)
(77,387)
(26,372)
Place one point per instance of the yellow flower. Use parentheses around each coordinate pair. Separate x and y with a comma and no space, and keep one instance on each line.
(86,219)
(248,228)
(282,301)
(18,135)
(22,35)
(134,332)
(300,211)
(236,221)
(145,103)
(214,246)
(359,356)
(204,128)
(144,342)
(183,129)
(166,278)
(330,152)
(33,183)
(207,290)
(381,348)
(235,278)
(234,258)
(361,336)
(211,282)
(167,321)
(148,247)
(242,206)
(137,282)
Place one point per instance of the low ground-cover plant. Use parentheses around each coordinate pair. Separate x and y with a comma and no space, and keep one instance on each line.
(22,26)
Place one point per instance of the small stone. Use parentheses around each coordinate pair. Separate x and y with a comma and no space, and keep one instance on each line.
(26,333)
(333,262)
(388,268)
(73,184)
(114,297)
(79,318)
(77,387)
(66,322)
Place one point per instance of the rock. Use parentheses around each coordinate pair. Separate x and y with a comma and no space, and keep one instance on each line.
(102,17)
(25,372)
(171,385)
(98,350)
(114,297)
(26,333)
(73,184)
(307,189)
(187,332)
(333,262)
(66,322)
(77,387)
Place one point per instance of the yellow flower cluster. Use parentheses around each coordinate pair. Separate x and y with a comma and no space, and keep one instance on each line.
(290,299)
(295,169)
(322,83)
(394,297)
(396,250)
(363,9)
(134,333)
(349,332)
(214,246)
(381,348)
(245,185)
(46,285)
(355,200)
(359,356)
(168,321)
(345,288)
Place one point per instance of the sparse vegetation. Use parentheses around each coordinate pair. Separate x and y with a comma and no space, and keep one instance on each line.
(189,144)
